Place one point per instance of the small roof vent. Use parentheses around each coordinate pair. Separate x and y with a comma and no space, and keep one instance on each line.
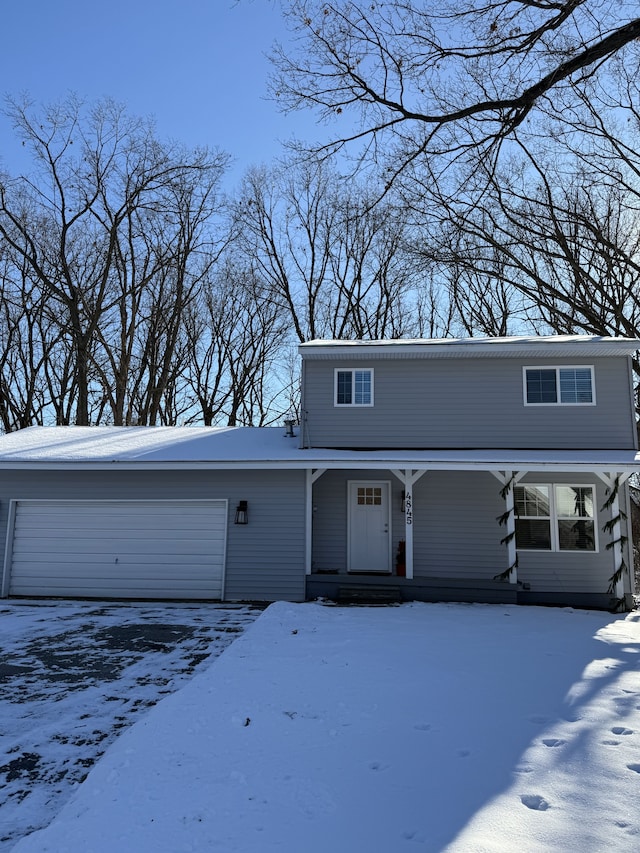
(289,425)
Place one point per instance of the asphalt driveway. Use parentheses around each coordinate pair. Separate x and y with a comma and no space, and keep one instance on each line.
(73,675)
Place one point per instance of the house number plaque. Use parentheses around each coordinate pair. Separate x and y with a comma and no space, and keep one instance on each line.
(408,508)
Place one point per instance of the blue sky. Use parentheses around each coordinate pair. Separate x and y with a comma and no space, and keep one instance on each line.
(197,66)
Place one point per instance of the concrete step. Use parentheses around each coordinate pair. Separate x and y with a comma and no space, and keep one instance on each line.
(369,594)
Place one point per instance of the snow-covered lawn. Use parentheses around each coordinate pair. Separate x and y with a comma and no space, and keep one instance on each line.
(423,727)
(74,675)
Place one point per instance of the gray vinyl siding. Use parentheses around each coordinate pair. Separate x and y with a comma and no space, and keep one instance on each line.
(445,403)
(268,564)
(456,534)
(329,552)
(264,559)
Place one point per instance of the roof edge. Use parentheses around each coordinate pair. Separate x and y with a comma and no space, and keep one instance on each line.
(626,463)
(523,346)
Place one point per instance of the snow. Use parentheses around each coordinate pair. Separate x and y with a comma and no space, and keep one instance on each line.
(430,727)
(563,345)
(148,444)
(257,447)
(74,675)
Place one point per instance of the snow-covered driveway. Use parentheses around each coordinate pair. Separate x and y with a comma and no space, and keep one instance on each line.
(423,727)
(74,674)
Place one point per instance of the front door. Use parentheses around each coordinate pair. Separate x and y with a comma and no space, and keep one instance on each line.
(369,526)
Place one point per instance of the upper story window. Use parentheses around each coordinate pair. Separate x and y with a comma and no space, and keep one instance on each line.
(555,386)
(353,387)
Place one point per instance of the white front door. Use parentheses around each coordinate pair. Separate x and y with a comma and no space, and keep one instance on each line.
(369,526)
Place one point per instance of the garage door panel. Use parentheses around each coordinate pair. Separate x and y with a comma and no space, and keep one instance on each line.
(129,568)
(71,559)
(82,585)
(96,521)
(141,592)
(105,577)
(142,560)
(189,519)
(88,540)
(112,547)
(141,549)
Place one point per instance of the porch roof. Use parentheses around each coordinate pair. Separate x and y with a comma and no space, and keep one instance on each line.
(269,448)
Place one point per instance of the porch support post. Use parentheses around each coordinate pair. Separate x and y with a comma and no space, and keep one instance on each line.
(308,525)
(408,524)
(512,556)
(408,478)
(613,482)
(617,545)
(310,477)
(509,480)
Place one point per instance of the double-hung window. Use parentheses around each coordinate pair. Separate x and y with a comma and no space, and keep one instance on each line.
(353,387)
(555,518)
(553,386)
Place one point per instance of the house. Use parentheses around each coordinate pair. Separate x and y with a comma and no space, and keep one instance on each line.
(487,470)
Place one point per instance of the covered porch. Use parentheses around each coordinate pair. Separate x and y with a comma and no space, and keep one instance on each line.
(443,528)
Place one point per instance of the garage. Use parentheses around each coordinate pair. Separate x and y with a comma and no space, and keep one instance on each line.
(154,549)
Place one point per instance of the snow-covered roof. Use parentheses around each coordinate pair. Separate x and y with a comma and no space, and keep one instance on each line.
(516,346)
(265,448)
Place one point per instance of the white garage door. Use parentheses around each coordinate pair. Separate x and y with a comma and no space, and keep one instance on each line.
(121,549)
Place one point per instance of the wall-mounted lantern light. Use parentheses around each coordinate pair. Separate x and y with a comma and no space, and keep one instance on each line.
(242,513)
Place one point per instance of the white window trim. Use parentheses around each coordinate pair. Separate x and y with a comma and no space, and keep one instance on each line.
(352,371)
(554,519)
(558,368)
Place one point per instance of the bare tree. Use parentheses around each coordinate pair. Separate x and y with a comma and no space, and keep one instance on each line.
(374,279)
(166,250)
(286,224)
(327,254)
(557,249)
(432,83)
(235,343)
(70,224)
(28,336)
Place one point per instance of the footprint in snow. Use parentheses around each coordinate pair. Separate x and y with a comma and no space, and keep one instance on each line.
(553,741)
(422,727)
(621,730)
(377,765)
(539,719)
(411,835)
(534,802)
